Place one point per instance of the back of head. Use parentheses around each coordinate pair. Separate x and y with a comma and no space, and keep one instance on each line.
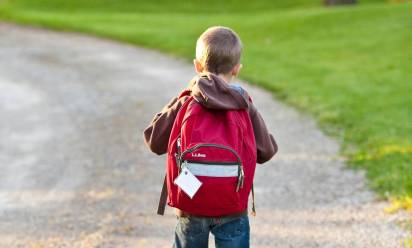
(219,50)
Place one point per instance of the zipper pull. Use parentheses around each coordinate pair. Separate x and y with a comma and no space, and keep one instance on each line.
(178,144)
(178,154)
(240,180)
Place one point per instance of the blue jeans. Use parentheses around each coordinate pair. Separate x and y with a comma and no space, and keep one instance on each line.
(229,232)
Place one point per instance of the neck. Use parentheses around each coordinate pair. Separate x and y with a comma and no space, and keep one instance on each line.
(227,78)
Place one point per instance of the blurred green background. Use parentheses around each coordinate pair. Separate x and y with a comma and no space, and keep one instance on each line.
(350,67)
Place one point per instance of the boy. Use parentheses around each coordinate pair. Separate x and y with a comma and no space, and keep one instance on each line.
(217,62)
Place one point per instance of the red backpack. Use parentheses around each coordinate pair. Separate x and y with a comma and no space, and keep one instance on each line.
(218,147)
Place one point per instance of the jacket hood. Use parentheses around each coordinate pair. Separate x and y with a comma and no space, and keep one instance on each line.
(214,93)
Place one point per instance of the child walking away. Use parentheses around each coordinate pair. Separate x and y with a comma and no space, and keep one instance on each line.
(213,136)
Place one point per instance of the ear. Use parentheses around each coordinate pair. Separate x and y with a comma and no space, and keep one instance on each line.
(235,71)
(198,66)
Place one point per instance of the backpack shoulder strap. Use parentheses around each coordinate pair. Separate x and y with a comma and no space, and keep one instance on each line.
(185,92)
(163,199)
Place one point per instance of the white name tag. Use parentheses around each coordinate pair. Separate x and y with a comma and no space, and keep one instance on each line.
(188,182)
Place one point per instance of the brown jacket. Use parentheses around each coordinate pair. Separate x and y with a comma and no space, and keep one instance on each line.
(214,93)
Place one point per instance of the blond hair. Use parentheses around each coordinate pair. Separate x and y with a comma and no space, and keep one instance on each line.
(219,49)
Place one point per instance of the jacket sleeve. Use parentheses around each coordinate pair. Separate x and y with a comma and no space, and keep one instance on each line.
(265,143)
(156,135)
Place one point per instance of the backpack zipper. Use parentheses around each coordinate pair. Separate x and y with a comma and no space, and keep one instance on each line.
(211,162)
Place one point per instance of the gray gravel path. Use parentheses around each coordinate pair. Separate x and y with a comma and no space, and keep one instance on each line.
(74,171)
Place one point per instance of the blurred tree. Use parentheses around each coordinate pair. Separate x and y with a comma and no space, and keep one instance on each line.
(338,2)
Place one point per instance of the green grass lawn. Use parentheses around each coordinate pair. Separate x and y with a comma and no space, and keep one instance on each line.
(349,67)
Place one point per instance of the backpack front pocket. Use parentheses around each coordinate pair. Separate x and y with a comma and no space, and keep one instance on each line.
(219,186)
(220,171)
(215,195)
